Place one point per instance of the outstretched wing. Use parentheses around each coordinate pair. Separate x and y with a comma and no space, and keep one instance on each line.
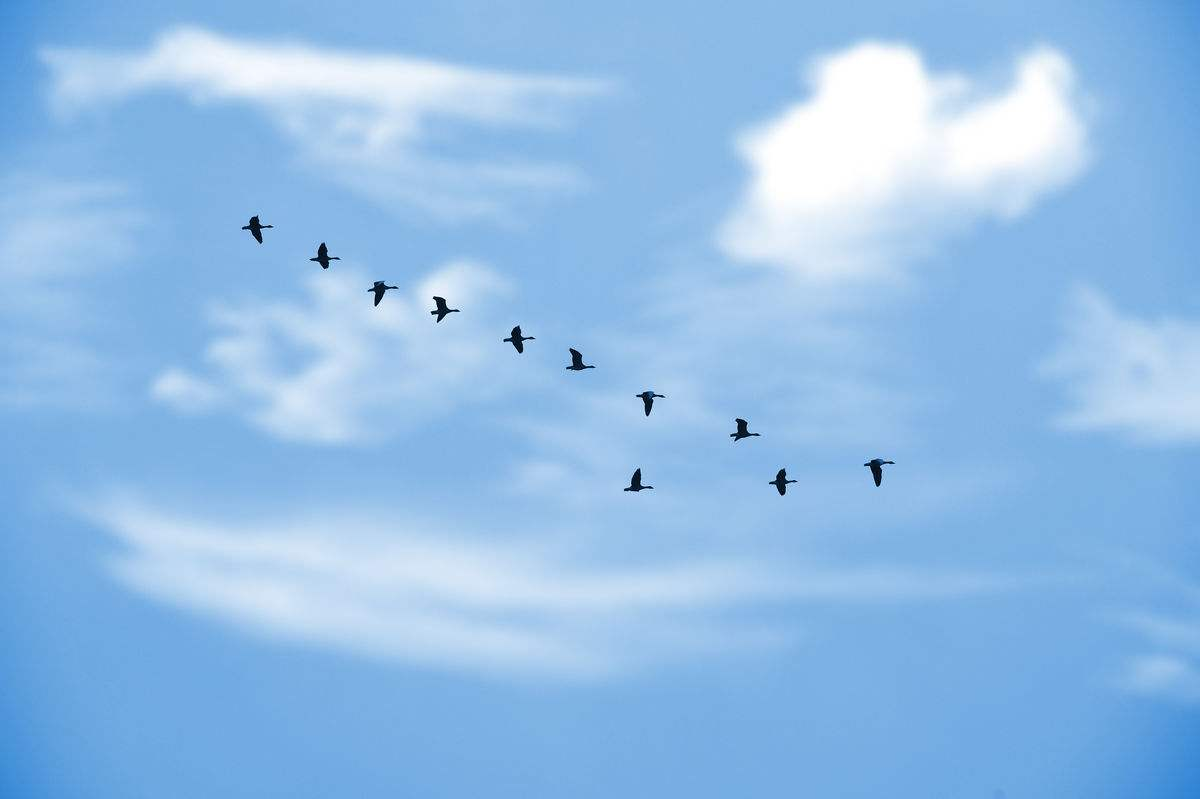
(322,251)
(637,478)
(648,401)
(378,295)
(576,357)
(516,342)
(877,473)
(256,232)
(741,426)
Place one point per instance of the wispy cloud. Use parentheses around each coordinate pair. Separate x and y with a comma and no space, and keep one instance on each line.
(885,159)
(335,369)
(375,122)
(56,236)
(1135,377)
(421,593)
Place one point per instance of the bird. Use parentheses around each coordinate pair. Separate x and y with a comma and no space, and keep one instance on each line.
(781,482)
(442,310)
(577,364)
(647,398)
(741,431)
(876,465)
(635,482)
(380,288)
(517,340)
(256,228)
(323,256)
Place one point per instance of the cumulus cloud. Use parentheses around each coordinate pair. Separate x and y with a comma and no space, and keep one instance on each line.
(1136,377)
(369,120)
(56,236)
(426,594)
(335,369)
(884,159)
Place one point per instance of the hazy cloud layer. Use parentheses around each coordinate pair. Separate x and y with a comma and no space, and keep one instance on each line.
(885,159)
(56,237)
(1135,377)
(364,119)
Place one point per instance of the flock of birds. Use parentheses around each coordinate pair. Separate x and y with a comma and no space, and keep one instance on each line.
(518,339)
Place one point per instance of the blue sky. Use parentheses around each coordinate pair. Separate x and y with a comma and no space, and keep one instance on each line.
(263,539)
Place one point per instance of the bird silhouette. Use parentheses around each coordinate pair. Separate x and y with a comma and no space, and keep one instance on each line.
(442,310)
(256,228)
(323,256)
(380,288)
(741,431)
(781,482)
(635,482)
(517,340)
(577,364)
(648,399)
(876,465)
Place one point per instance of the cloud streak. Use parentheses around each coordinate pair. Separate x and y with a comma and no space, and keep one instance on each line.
(418,593)
(371,121)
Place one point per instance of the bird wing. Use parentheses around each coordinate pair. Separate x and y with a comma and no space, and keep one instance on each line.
(440,302)
(877,473)
(576,358)
(741,425)
(637,477)
(322,251)
(256,232)
(648,401)
(780,486)
(516,332)
(516,342)
(782,475)
(378,295)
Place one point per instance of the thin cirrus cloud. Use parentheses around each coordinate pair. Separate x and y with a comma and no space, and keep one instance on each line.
(368,120)
(1138,378)
(415,593)
(332,368)
(57,236)
(885,159)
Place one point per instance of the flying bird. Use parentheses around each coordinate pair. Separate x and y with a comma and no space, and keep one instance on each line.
(577,364)
(256,228)
(323,256)
(635,482)
(648,399)
(380,288)
(741,431)
(442,310)
(876,465)
(781,482)
(517,340)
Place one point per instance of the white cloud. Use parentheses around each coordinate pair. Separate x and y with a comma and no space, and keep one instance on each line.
(420,593)
(337,369)
(1169,666)
(1136,377)
(885,159)
(55,237)
(1164,676)
(371,121)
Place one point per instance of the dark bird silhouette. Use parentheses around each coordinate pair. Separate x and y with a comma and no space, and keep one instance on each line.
(577,364)
(517,340)
(635,482)
(256,228)
(741,431)
(648,399)
(781,482)
(323,256)
(442,310)
(380,288)
(876,465)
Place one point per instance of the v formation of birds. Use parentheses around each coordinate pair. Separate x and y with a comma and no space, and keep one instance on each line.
(518,339)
